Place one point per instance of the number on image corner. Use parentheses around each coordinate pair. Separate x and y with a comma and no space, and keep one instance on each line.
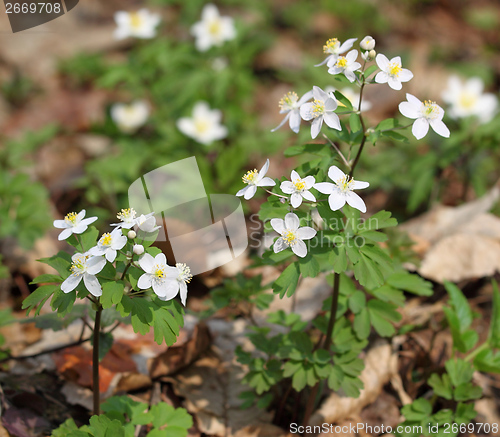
(33,8)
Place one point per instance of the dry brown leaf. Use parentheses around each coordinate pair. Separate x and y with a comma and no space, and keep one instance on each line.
(458,243)
(381,364)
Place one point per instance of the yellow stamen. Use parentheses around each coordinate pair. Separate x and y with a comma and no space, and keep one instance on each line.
(342,62)
(71,218)
(467,100)
(318,108)
(288,100)
(201,126)
(159,272)
(185,273)
(395,69)
(250,176)
(299,184)
(126,214)
(430,109)
(135,20)
(331,45)
(214,27)
(289,237)
(105,239)
(345,183)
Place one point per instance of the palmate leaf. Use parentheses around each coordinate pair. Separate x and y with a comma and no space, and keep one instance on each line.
(287,281)
(39,297)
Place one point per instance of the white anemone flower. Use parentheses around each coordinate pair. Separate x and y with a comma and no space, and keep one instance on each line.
(130,117)
(346,64)
(425,114)
(147,223)
(139,24)
(298,188)
(467,99)
(290,105)
(73,223)
(392,72)
(86,266)
(341,191)
(127,217)
(322,108)
(165,280)
(291,235)
(108,244)
(367,43)
(204,126)
(213,29)
(333,48)
(255,179)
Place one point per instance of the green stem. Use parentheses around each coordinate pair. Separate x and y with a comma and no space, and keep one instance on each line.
(95,362)
(473,354)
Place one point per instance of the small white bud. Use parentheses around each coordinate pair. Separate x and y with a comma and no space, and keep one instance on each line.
(138,249)
(131,235)
(283,200)
(369,56)
(367,43)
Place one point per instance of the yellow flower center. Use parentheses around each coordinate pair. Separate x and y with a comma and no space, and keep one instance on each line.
(71,218)
(126,214)
(105,239)
(331,45)
(395,69)
(467,100)
(430,109)
(342,62)
(201,126)
(289,237)
(135,20)
(214,28)
(159,271)
(250,176)
(345,183)
(299,184)
(318,108)
(288,101)
(78,265)
(184,273)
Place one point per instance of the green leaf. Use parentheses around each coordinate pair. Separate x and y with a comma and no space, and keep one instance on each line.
(140,311)
(486,361)
(39,296)
(61,262)
(352,386)
(314,149)
(89,238)
(287,281)
(441,385)
(381,314)
(357,302)
(410,282)
(361,324)
(355,122)
(380,220)
(177,420)
(494,333)
(460,305)
(460,371)
(112,293)
(343,101)
(47,278)
(63,302)
(309,266)
(168,319)
(389,123)
(370,70)
(394,135)
(338,259)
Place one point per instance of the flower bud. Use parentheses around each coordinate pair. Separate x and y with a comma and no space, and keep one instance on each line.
(367,43)
(138,249)
(369,56)
(131,235)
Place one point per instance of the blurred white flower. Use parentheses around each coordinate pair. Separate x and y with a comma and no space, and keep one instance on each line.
(130,117)
(367,43)
(467,99)
(73,223)
(425,114)
(219,63)
(322,108)
(84,266)
(290,105)
(140,24)
(334,48)
(147,223)
(341,191)
(127,217)
(298,188)
(392,72)
(213,29)
(346,64)
(255,179)
(204,125)
(291,235)
(108,244)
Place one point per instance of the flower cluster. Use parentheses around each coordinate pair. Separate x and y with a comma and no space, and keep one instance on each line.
(320,105)
(212,30)
(166,281)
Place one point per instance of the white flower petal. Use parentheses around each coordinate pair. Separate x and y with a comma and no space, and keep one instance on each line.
(145,281)
(358,185)
(413,100)
(381,77)
(440,128)
(394,83)
(242,191)
(382,61)
(335,173)
(410,110)
(92,284)
(183,293)
(306,233)
(355,201)
(309,181)
(279,245)
(264,169)
(70,283)
(266,182)
(306,111)
(316,127)
(65,234)
(278,225)
(296,200)
(308,196)
(336,201)
(282,123)
(324,187)
(250,192)
(146,262)
(299,249)
(95,265)
(292,221)
(287,187)
(60,224)
(405,75)
(295,121)
(420,128)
